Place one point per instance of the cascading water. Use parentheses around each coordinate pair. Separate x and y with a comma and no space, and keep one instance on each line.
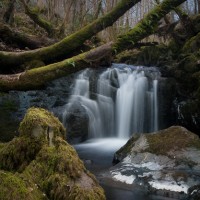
(122,100)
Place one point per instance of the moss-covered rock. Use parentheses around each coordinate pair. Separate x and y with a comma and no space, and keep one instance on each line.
(12,186)
(167,160)
(175,138)
(44,170)
(18,153)
(40,123)
(62,175)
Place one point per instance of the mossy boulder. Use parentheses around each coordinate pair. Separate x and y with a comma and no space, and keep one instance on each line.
(12,186)
(40,123)
(39,169)
(173,139)
(166,162)
(18,153)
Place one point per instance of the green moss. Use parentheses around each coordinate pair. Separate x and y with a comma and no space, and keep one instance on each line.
(189,64)
(61,159)
(38,117)
(196,22)
(146,26)
(126,149)
(82,194)
(58,170)
(34,14)
(33,64)
(192,45)
(69,44)
(173,138)
(147,55)
(174,47)
(59,187)
(186,73)
(18,153)
(129,57)
(12,187)
(1,145)
(45,172)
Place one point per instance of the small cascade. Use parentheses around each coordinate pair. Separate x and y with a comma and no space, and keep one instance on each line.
(119,101)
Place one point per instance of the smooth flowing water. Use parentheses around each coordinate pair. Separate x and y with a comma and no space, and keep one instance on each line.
(119,101)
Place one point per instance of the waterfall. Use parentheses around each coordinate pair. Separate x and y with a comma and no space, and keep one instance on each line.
(119,101)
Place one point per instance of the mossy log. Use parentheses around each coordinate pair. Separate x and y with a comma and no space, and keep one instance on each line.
(38,77)
(21,40)
(147,25)
(24,81)
(62,49)
(35,16)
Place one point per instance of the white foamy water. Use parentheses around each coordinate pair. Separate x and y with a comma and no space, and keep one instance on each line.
(119,101)
(104,145)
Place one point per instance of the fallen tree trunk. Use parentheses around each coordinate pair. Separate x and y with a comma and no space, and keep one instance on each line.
(20,40)
(63,48)
(37,77)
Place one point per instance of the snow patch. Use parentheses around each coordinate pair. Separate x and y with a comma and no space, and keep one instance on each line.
(125,179)
(171,186)
(149,165)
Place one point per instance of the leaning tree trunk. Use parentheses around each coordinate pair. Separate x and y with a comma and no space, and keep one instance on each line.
(37,77)
(46,25)
(147,26)
(66,46)
(186,22)
(21,40)
(8,15)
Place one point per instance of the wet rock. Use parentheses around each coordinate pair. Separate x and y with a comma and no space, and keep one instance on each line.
(194,192)
(189,114)
(8,122)
(76,120)
(165,162)
(44,171)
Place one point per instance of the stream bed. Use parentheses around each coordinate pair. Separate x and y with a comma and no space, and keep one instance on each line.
(97,155)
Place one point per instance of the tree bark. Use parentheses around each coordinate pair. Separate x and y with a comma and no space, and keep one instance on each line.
(8,15)
(38,77)
(147,25)
(63,48)
(35,78)
(186,22)
(198,2)
(47,26)
(20,40)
